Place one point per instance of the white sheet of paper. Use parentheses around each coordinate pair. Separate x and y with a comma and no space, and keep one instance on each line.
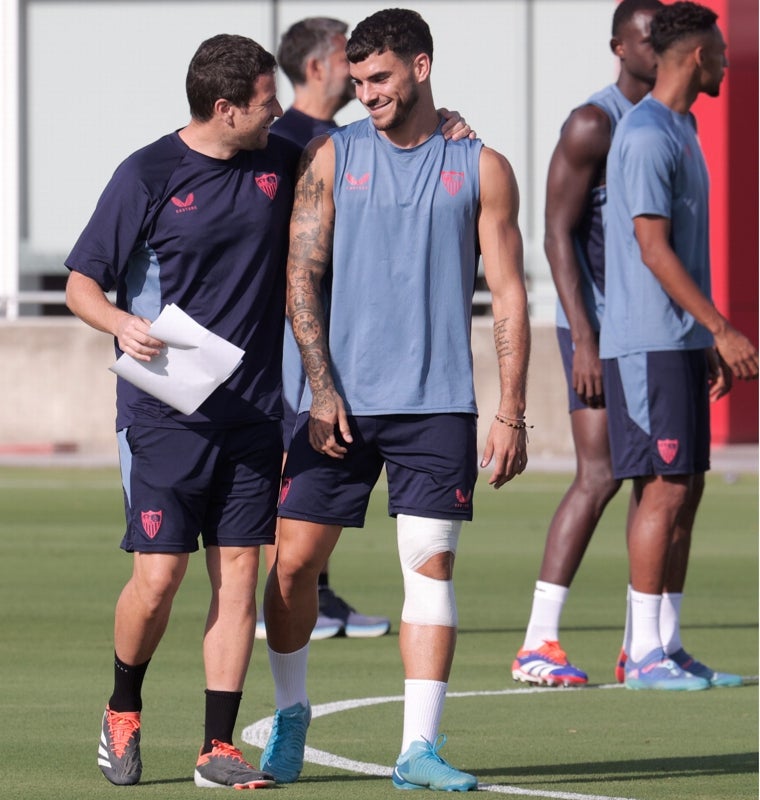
(194,363)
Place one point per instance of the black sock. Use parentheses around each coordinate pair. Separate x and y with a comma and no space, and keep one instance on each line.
(221,715)
(323,579)
(127,685)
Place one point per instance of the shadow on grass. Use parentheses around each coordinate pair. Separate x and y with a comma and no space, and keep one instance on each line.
(633,770)
(564,774)
(736,626)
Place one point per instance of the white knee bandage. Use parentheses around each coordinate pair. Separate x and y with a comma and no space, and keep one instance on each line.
(427,601)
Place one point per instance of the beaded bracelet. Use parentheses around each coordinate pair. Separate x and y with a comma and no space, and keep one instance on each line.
(516,423)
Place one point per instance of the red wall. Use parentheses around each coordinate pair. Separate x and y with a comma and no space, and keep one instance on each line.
(728,130)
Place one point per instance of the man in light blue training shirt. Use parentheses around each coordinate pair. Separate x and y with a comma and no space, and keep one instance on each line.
(667,351)
(402,215)
(576,197)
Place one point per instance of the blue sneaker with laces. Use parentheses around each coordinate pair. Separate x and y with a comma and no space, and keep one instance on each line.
(283,755)
(691,665)
(657,671)
(420,767)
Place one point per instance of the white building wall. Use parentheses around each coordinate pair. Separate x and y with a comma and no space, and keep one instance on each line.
(102,78)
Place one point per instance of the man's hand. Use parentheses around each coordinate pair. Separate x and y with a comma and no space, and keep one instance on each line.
(328,424)
(719,375)
(455,127)
(507,448)
(587,374)
(738,352)
(133,335)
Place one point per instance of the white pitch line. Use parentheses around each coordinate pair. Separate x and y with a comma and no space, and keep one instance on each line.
(257,735)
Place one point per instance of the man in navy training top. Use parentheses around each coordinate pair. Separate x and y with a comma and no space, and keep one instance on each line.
(312,53)
(399,216)
(666,350)
(198,218)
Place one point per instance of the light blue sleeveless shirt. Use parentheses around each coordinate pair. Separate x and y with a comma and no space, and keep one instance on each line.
(588,240)
(404,267)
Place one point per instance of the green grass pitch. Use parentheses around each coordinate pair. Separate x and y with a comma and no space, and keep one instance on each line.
(61,571)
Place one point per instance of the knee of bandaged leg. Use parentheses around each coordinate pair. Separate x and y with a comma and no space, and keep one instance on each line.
(427,600)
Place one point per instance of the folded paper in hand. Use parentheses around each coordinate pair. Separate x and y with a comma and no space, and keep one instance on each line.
(193,364)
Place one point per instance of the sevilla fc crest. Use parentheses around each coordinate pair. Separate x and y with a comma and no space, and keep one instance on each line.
(453,181)
(668,449)
(268,182)
(151,522)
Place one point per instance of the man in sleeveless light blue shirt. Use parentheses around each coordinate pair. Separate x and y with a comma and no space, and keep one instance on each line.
(402,215)
(666,349)
(312,54)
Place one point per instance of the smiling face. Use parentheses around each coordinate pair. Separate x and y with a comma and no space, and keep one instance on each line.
(253,120)
(387,87)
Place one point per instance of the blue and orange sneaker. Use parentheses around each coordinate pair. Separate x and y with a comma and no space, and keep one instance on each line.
(691,665)
(657,671)
(547,666)
(620,666)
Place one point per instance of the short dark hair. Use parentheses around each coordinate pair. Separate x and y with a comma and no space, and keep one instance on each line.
(309,38)
(680,21)
(399,30)
(628,8)
(225,66)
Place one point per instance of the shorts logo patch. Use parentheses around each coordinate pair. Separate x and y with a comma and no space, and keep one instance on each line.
(151,522)
(268,182)
(668,449)
(453,181)
(463,500)
(285,489)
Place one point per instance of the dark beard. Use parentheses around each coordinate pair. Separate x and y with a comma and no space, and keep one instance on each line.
(403,110)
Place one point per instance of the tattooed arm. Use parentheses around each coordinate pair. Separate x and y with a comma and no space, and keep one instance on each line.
(311,236)
(501,245)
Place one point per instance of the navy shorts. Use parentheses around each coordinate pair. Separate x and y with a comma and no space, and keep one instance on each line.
(658,413)
(179,483)
(566,350)
(430,461)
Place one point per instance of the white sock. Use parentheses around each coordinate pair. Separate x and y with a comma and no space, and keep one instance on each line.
(645,624)
(627,629)
(670,622)
(423,706)
(543,626)
(289,673)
